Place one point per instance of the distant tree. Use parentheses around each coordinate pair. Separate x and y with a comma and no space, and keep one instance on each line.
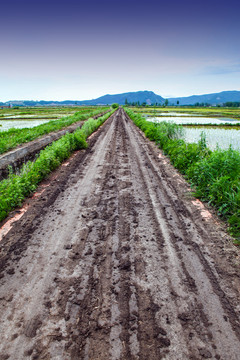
(166,102)
(126,101)
(115,106)
(232,104)
(178,102)
(144,103)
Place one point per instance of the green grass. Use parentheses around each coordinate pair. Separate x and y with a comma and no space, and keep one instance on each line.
(14,137)
(215,175)
(46,110)
(16,188)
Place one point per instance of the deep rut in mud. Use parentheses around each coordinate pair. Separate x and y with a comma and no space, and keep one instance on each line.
(121,264)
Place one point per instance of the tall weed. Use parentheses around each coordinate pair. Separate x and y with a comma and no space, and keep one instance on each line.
(215,175)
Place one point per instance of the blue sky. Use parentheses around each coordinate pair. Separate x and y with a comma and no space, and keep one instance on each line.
(84,49)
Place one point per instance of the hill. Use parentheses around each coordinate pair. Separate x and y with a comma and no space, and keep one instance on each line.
(148,97)
(140,97)
(212,99)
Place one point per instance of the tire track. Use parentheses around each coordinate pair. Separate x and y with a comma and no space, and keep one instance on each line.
(119,266)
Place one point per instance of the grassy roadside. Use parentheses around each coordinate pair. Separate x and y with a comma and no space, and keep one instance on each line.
(215,175)
(14,137)
(16,188)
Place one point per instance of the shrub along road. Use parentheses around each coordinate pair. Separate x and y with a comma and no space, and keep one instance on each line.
(115,260)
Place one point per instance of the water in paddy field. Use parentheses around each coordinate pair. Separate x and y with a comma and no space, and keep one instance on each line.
(214,136)
(182,120)
(167,114)
(35,116)
(21,124)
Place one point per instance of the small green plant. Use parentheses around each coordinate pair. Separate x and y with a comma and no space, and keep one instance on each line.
(215,175)
(14,137)
(15,188)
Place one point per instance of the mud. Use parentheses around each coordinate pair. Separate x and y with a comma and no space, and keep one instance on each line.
(116,260)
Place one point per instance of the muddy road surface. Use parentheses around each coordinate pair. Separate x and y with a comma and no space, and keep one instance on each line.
(115,260)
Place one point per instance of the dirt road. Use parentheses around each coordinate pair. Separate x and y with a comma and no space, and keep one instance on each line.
(116,261)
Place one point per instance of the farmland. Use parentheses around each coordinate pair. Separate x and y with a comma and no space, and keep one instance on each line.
(15,136)
(112,257)
(215,175)
(220,131)
(15,188)
(220,125)
(233,113)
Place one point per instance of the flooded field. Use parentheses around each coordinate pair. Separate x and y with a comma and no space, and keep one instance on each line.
(33,116)
(189,119)
(29,118)
(171,113)
(21,124)
(222,138)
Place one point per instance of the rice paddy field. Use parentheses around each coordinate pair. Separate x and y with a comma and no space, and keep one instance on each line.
(233,113)
(221,127)
(21,118)
(204,145)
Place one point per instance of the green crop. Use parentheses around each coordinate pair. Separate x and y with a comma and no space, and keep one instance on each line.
(215,175)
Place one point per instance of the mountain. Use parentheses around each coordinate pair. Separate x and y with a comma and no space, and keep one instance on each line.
(148,97)
(212,99)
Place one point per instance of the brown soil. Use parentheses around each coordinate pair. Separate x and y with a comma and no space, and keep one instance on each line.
(115,260)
